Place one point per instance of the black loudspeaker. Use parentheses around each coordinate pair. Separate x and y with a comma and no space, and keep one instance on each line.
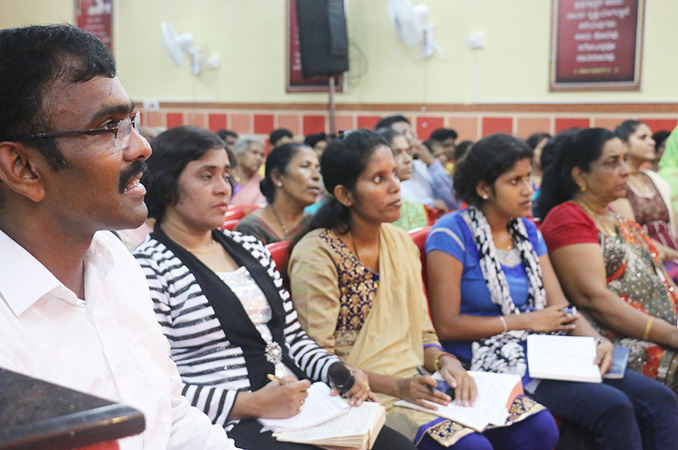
(323,40)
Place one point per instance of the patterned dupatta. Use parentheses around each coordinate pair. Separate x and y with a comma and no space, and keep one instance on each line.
(504,353)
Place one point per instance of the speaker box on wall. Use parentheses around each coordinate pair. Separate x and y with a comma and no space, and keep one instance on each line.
(323,40)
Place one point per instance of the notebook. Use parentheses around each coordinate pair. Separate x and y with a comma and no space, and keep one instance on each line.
(319,407)
(356,430)
(568,358)
(620,358)
(496,392)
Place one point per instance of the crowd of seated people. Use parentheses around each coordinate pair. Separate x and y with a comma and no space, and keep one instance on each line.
(219,300)
(357,287)
(490,284)
(89,315)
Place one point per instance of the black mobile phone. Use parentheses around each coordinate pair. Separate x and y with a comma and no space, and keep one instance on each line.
(445,388)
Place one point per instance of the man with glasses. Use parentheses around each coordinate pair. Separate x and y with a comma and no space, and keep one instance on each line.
(74,305)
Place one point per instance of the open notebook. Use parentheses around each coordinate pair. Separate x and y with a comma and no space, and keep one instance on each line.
(569,358)
(319,407)
(356,430)
(496,392)
(329,422)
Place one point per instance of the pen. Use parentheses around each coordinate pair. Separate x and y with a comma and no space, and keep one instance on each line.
(422,371)
(276,379)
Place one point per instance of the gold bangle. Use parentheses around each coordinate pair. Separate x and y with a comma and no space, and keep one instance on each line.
(503,323)
(436,362)
(648,327)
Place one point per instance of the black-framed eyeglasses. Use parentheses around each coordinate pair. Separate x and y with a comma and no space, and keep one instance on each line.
(120,129)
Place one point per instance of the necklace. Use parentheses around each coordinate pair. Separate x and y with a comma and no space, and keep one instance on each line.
(594,216)
(282,225)
(355,247)
(203,252)
(510,246)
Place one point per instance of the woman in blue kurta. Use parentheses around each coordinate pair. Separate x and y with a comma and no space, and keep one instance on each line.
(491,284)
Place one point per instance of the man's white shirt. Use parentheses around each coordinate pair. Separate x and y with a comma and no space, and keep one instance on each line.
(108,345)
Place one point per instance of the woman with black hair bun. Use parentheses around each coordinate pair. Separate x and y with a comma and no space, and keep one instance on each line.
(607,265)
(292,182)
(357,287)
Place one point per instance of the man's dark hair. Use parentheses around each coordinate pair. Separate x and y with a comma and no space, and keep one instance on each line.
(223,134)
(172,151)
(313,139)
(388,121)
(278,134)
(33,59)
(388,134)
(442,134)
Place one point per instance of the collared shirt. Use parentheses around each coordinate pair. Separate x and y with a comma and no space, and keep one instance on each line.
(108,345)
(429,183)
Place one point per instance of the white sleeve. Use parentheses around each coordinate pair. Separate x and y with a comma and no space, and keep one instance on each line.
(191,428)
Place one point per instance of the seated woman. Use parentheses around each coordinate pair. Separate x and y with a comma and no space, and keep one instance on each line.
(491,284)
(220,301)
(412,214)
(648,196)
(358,290)
(606,264)
(250,155)
(292,182)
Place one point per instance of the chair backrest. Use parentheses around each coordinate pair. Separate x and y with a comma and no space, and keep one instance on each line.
(239,211)
(279,253)
(431,214)
(418,235)
(230,224)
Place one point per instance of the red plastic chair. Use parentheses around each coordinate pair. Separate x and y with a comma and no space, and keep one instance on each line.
(431,215)
(418,235)
(230,224)
(279,253)
(239,211)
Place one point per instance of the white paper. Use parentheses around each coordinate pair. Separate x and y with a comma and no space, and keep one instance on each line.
(569,358)
(354,427)
(319,407)
(494,390)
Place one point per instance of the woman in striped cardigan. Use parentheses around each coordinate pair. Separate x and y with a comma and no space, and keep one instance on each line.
(221,302)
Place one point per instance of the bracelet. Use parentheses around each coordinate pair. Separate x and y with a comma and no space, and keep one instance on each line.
(600,340)
(503,323)
(648,327)
(436,362)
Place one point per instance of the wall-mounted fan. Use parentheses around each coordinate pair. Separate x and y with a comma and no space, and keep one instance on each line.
(411,26)
(178,44)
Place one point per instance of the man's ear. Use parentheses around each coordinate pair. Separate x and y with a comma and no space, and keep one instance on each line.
(343,195)
(19,169)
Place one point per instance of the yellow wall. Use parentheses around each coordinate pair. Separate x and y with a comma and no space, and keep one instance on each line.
(249,36)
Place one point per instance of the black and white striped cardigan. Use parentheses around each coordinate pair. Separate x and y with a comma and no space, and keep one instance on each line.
(212,369)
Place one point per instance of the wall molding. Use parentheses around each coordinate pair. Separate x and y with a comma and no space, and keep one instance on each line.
(449,108)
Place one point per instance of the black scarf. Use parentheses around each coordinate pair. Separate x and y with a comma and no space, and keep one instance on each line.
(228,309)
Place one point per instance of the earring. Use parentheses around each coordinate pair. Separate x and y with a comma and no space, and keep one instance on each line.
(279,184)
(582,188)
(485,197)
